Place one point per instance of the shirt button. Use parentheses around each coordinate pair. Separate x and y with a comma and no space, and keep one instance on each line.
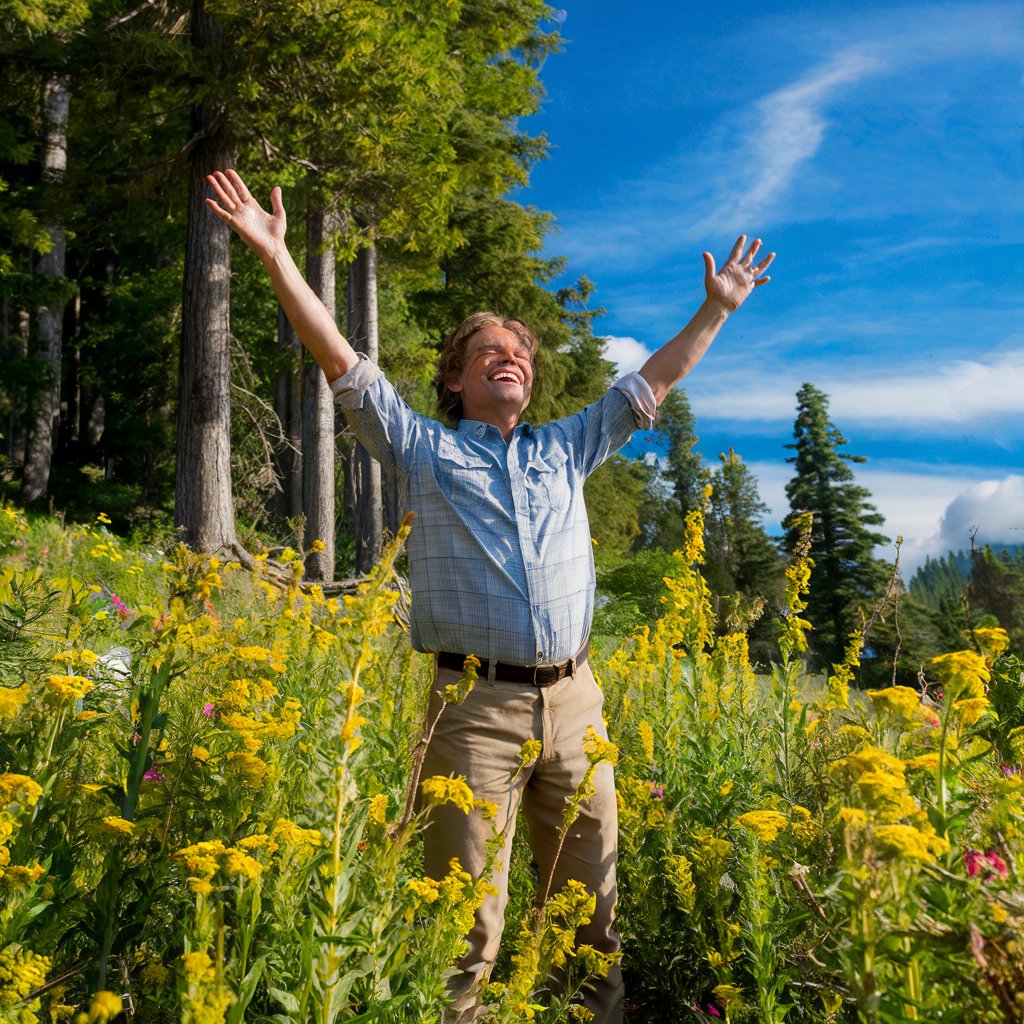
(479,431)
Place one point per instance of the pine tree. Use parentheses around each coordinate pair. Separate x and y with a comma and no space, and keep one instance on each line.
(846,576)
(741,561)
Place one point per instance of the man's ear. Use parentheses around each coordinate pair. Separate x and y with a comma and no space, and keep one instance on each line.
(453,382)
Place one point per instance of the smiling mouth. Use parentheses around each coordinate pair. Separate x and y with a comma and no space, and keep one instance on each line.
(506,375)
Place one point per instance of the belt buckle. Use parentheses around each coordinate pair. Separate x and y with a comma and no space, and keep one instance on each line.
(534,681)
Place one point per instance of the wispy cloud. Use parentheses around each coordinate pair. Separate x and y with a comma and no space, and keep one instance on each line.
(748,167)
(923,393)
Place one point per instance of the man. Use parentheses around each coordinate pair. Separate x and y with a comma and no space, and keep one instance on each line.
(501,567)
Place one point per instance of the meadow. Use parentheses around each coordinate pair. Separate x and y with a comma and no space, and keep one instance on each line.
(210,799)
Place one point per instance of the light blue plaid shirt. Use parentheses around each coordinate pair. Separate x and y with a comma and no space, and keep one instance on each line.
(501,563)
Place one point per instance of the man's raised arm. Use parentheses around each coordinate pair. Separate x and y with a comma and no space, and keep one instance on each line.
(726,290)
(264,233)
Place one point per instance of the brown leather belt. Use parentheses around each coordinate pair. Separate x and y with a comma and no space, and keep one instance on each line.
(532,675)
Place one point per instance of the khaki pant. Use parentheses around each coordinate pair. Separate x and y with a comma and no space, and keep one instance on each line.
(481,740)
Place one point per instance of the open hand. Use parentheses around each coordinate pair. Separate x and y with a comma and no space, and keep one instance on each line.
(263,232)
(738,277)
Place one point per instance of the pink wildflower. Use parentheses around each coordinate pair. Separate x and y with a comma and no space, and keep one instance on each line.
(154,774)
(657,791)
(997,864)
(208,710)
(122,608)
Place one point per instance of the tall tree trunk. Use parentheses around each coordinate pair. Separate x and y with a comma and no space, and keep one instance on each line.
(318,406)
(288,406)
(203,507)
(365,487)
(45,414)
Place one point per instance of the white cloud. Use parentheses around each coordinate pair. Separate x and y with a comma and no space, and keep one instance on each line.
(982,390)
(933,512)
(993,508)
(627,354)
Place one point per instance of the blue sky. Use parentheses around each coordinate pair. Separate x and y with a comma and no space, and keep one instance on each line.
(878,150)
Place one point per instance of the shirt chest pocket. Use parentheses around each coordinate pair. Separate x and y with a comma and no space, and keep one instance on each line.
(464,476)
(548,478)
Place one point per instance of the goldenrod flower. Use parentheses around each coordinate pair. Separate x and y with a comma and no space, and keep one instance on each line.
(598,749)
(12,700)
(992,640)
(19,789)
(963,673)
(444,789)
(104,1005)
(379,809)
(117,826)
(853,816)
(317,546)
(907,841)
(765,824)
(69,686)
(198,967)
(250,770)
(680,876)
(288,833)
(902,702)
(646,735)
(529,752)
(972,709)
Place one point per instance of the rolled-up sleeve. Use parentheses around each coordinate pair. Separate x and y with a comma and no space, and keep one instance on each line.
(381,421)
(641,399)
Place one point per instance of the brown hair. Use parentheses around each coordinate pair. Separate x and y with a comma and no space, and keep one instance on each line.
(450,361)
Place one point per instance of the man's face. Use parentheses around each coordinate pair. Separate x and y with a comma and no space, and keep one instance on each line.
(496,376)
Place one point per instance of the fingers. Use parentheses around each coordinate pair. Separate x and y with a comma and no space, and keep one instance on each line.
(243,192)
(764,264)
(761,280)
(275,201)
(709,266)
(225,190)
(751,253)
(737,249)
(217,209)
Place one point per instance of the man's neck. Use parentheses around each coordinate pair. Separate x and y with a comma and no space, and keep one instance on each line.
(505,422)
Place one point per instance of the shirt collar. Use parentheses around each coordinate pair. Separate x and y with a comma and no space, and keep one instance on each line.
(476,428)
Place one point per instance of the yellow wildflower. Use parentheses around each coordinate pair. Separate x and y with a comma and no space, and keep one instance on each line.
(449,790)
(200,754)
(902,702)
(12,700)
(907,841)
(117,826)
(923,762)
(198,967)
(250,770)
(104,1005)
(379,809)
(529,752)
(19,789)
(766,825)
(972,709)
(725,788)
(288,833)
(424,889)
(237,862)
(680,876)
(18,876)
(963,673)
(68,686)
(317,546)
(646,734)
(598,749)
(992,640)
(853,816)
